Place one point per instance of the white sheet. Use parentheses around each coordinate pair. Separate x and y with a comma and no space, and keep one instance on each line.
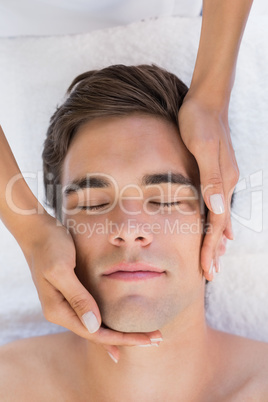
(34,74)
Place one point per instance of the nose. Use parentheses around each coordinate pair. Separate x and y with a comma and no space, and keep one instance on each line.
(131,234)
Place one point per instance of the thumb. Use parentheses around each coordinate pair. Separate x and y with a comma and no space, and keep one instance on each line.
(81,302)
(211,182)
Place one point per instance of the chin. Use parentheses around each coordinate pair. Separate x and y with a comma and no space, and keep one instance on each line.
(133,316)
(126,326)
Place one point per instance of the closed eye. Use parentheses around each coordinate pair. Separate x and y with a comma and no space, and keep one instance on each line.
(166,204)
(92,207)
(100,206)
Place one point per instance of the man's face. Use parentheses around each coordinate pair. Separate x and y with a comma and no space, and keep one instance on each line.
(140,214)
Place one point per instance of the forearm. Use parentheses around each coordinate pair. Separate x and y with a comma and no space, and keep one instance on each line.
(223,25)
(19,208)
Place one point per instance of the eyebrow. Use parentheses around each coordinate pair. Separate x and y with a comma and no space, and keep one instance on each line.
(86,182)
(170,177)
(147,180)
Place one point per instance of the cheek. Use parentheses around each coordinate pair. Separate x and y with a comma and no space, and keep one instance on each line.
(82,256)
(187,245)
(86,231)
(89,243)
(183,235)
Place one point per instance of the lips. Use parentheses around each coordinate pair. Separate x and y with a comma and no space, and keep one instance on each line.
(136,267)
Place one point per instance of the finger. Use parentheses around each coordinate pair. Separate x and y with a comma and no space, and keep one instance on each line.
(219,252)
(57,310)
(113,352)
(228,232)
(222,247)
(220,223)
(80,300)
(211,177)
(215,227)
(111,337)
(217,265)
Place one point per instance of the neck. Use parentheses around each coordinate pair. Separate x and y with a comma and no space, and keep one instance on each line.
(180,366)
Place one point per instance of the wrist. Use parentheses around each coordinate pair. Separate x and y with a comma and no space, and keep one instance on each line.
(213,99)
(30,229)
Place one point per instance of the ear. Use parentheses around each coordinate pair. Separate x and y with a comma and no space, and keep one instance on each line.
(222,247)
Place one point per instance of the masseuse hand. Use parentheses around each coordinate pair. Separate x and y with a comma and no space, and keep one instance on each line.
(205,132)
(51,258)
(203,117)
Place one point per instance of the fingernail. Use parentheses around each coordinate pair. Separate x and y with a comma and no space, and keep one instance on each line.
(156,340)
(112,357)
(211,268)
(217,205)
(90,321)
(148,344)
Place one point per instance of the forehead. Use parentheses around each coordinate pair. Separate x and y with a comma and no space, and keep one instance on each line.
(127,148)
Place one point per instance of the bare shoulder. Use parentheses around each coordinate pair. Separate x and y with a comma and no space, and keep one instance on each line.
(26,364)
(247,361)
(257,358)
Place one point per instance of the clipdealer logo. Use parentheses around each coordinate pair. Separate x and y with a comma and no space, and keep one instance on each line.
(250,190)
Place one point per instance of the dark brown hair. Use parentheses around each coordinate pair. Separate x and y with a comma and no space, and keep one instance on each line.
(117,90)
